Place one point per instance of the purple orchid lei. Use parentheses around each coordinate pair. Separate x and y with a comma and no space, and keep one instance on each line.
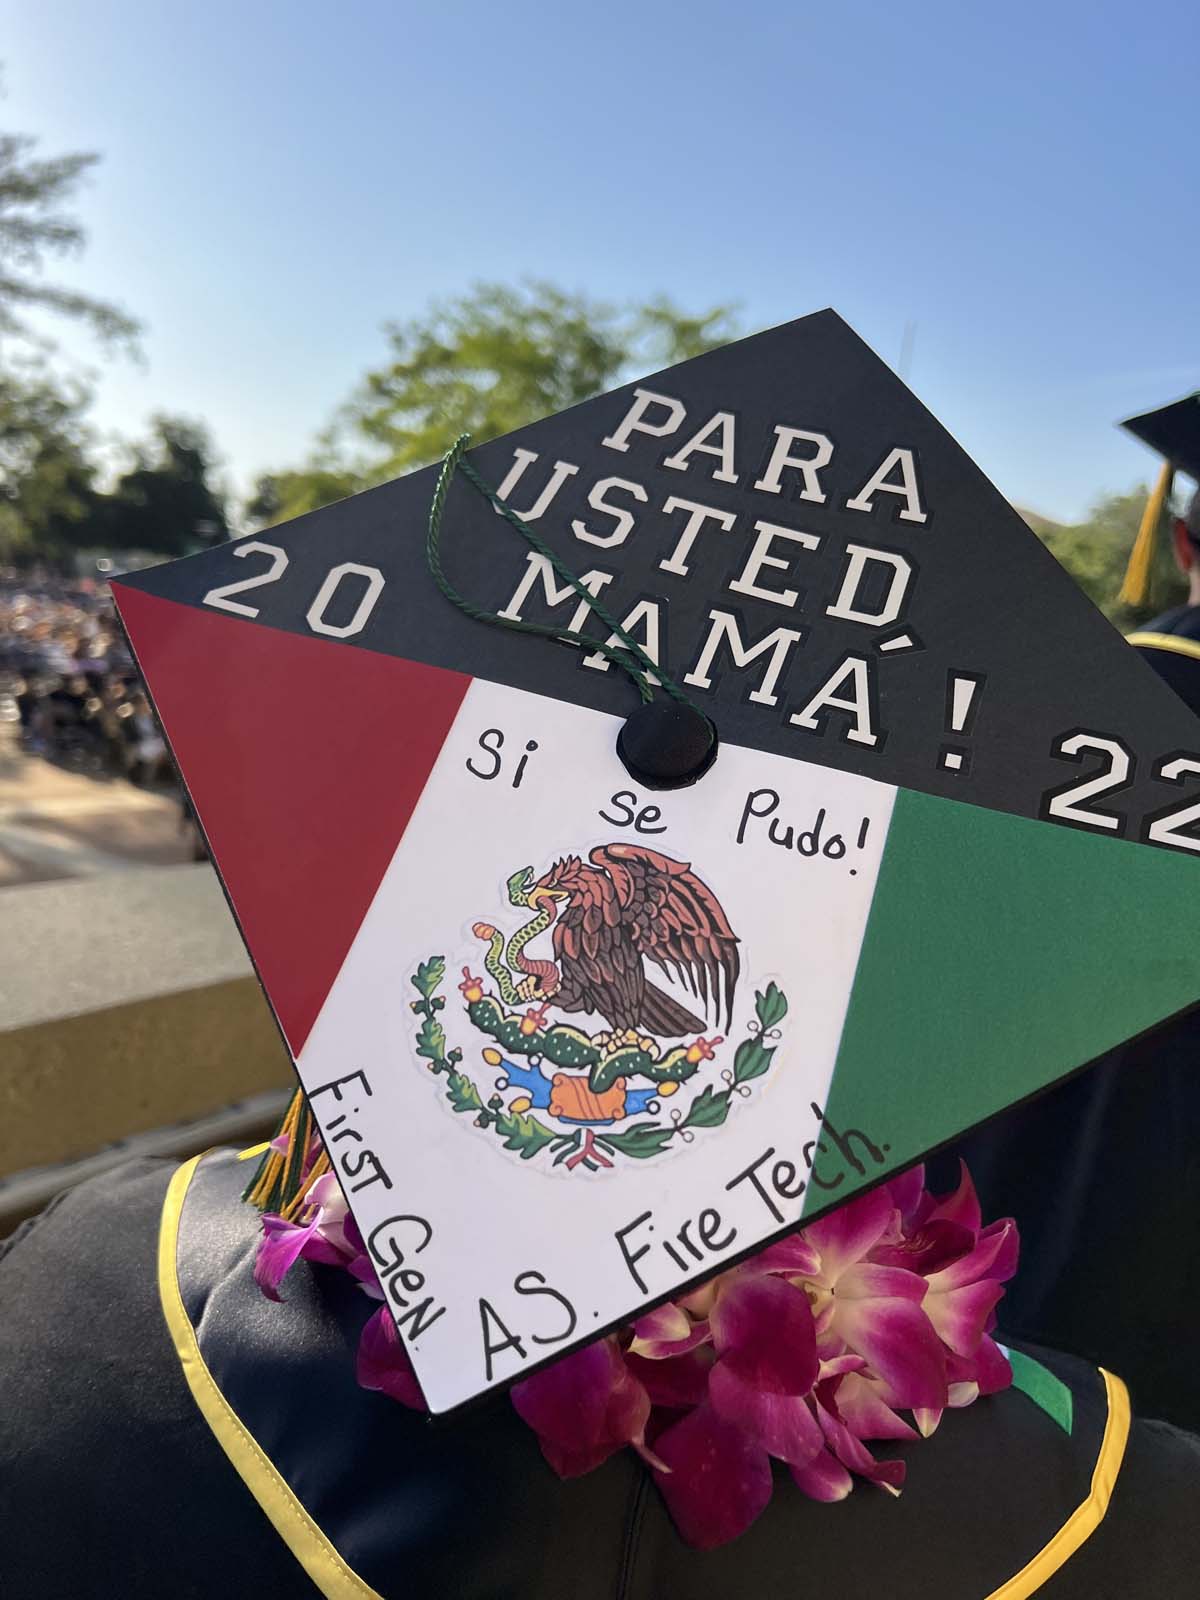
(803,1353)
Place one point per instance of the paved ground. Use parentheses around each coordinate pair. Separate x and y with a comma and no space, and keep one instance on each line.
(60,824)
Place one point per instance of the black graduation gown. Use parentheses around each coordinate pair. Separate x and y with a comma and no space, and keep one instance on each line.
(1171,644)
(1103,1177)
(165,1431)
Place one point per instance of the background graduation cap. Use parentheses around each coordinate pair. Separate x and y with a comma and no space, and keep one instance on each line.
(1173,432)
(828,575)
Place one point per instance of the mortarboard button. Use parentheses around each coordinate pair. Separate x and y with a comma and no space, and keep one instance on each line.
(667,745)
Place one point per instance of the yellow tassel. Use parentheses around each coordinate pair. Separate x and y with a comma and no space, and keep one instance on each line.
(265,1180)
(296,1205)
(262,1190)
(1135,591)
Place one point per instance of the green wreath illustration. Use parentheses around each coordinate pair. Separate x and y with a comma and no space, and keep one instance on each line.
(591,1085)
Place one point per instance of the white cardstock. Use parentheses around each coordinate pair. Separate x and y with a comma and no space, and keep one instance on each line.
(507,1216)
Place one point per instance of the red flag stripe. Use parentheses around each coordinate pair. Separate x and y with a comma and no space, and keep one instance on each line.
(304,759)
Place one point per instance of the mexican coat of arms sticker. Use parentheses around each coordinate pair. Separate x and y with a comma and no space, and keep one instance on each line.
(650,1076)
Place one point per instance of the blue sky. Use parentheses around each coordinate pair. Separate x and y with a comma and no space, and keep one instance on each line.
(279,179)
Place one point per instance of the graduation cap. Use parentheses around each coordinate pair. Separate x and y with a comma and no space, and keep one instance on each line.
(1174,433)
(574,1042)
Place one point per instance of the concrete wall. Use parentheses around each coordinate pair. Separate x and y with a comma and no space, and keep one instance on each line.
(127,1004)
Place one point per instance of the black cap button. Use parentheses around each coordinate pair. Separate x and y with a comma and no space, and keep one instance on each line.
(667,745)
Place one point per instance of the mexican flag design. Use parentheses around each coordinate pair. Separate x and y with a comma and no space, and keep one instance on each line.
(519,991)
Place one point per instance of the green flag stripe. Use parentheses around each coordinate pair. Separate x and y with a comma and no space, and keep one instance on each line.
(1043,1388)
(1000,954)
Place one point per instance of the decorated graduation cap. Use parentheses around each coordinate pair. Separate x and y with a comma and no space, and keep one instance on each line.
(577,1032)
(1173,432)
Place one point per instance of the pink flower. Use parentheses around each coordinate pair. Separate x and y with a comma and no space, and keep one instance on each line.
(844,1451)
(714,1479)
(584,1407)
(766,1344)
(875,1310)
(801,1354)
(383,1363)
(667,1331)
(831,1337)
(330,1236)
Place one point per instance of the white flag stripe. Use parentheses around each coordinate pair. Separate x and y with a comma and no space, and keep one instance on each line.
(799,912)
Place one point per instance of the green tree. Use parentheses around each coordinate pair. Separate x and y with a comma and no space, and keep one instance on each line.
(34,224)
(501,357)
(46,477)
(48,501)
(166,502)
(280,496)
(485,363)
(1095,552)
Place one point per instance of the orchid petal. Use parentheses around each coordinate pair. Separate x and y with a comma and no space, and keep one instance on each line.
(928,1249)
(835,1366)
(866,1413)
(920,1217)
(823,1478)
(995,1248)
(320,1249)
(927,1419)
(325,1191)
(793,1257)
(677,1382)
(279,1249)
(866,1281)
(628,1410)
(959,1369)
(993,1371)
(847,1234)
(906,1190)
(962,1206)
(641,1448)
(718,1482)
(665,1322)
(1005,1264)
(701,1301)
(853,1453)
(383,1363)
(901,1346)
(959,1315)
(665,1349)
(568,1400)
(781,1424)
(363,1268)
(827,1339)
(667,1331)
(763,1328)
(584,1407)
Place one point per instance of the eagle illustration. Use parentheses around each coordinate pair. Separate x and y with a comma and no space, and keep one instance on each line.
(629,905)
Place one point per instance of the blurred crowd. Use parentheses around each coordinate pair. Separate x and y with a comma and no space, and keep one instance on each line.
(67,678)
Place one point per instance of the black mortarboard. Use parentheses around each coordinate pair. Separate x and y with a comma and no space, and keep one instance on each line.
(947,851)
(1174,432)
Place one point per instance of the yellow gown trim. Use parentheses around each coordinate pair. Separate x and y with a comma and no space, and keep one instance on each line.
(1166,641)
(1088,1516)
(290,1520)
